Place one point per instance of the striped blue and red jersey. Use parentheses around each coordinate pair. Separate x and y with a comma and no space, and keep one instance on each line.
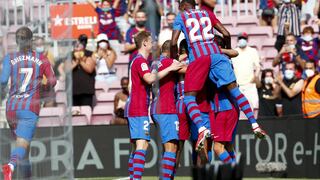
(139,98)
(197,27)
(164,101)
(107,24)
(25,71)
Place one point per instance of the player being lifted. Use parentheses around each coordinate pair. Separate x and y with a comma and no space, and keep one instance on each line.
(25,69)
(205,59)
(137,104)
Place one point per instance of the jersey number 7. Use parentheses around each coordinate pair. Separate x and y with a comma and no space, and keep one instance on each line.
(28,74)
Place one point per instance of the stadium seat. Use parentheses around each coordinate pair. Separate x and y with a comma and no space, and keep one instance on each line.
(60,86)
(105,99)
(51,116)
(102,115)
(114,87)
(218,10)
(228,21)
(100,87)
(247,21)
(81,115)
(261,31)
(268,43)
(236,30)
(61,98)
(242,9)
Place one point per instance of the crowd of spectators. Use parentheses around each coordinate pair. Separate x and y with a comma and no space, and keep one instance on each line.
(275,91)
(278,91)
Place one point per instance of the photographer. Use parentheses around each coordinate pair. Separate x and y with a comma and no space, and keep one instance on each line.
(290,52)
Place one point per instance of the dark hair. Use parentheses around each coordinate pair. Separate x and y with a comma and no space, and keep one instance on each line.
(109,1)
(292,62)
(183,47)
(124,78)
(291,34)
(308,28)
(166,46)
(141,11)
(220,41)
(192,2)
(26,31)
(140,37)
(263,75)
(313,62)
(83,39)
(171,13)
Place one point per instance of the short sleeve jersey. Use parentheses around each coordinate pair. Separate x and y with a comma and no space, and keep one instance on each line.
(107,24)
(197,27)
(139,98)
(164,100)
(25,71)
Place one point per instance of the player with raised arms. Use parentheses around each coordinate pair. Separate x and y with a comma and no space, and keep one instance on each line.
(25,69)
(206,60)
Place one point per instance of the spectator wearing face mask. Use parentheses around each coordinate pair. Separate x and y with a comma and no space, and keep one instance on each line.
(288,22)
(269,93)
(47,94)
(246,67)
(105,57)
(140,25)
(120,100)
(309,44)
(106,18)
(291,87)
(311,92)
(291,52)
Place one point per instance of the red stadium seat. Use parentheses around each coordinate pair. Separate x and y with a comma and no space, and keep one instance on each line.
(228,21)
(247,21)
(100,87)
(81,115)
(261,31)
(105,99)
(102,115)
(51,116)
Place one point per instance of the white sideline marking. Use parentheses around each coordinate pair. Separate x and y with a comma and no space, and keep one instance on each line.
(125,178)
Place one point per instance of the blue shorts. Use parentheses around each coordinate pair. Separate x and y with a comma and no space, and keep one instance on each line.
(194,130)
(221,71)
(23,123)
(169,126)
(139,127)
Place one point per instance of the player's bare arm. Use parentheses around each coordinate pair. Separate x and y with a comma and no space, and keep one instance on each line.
(230,52)
(174,46)
(151,77)
(226,35)
(92,3)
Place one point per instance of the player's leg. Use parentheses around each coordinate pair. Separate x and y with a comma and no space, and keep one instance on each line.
(230,149)
(26,124)
(222,74)
(184,128)
(168,124)
(130,161)
(195,78)
(139,128)
(219,149)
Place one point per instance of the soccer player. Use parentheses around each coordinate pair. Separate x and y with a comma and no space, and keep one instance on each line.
(25,68)
(208,5)
(164,113)
(205,56)
(137,104)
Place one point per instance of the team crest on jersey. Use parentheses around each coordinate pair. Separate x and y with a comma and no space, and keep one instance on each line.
(144,67)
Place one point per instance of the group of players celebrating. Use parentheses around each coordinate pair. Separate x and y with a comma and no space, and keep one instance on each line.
(207,99)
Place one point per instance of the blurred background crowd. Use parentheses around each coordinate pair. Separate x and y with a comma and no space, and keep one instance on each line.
(277,68)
